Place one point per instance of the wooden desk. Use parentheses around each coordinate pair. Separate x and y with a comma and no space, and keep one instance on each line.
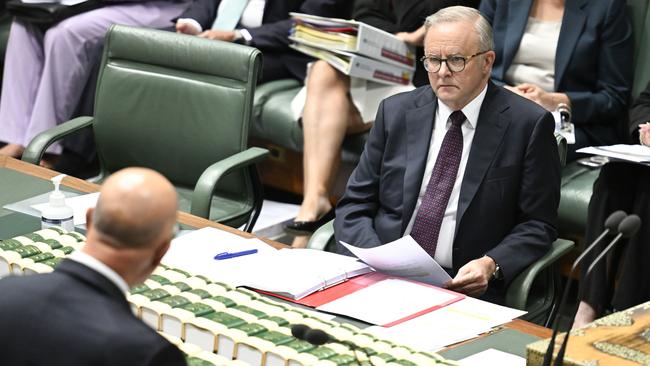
(87,187)
(197,222)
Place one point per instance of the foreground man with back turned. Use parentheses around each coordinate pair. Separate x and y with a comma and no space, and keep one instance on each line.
(468,169)
(78,315)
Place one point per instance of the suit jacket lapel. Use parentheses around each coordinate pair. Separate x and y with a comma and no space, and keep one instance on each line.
(419,127)
(94,279)
(573,22)
(517,20)
(490,130)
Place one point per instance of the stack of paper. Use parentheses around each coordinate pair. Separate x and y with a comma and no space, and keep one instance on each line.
(354,48)
(633,153)
(292,273)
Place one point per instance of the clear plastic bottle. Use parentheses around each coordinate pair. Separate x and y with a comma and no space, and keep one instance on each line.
(57,213)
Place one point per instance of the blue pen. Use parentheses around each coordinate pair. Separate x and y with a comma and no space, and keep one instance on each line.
(228,255)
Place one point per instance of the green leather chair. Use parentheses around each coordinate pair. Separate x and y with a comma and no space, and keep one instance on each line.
(180,105)
(535,290)
(578,180)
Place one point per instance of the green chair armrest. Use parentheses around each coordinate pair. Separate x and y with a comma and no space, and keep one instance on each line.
(517,293)
(202,195)
(321,237)
(34,151)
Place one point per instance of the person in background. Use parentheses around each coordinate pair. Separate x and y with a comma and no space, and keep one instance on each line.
(330,111)
(78,314)
(264,24)
(468,169)
(575,52)
(623,280)
(46,72)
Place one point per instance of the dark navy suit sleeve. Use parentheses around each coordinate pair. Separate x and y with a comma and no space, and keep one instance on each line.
(539,195)
(275,34)
(609,99)
(203,11)
(357,208)
(169,355)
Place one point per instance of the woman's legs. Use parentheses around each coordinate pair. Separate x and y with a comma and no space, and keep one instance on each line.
(328,115)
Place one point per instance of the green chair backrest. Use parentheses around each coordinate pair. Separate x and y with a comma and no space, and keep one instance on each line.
(639,11)
(174,103)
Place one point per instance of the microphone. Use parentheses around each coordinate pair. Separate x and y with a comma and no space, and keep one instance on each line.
(627,228)
(319,337)
(565,114)
(611,225)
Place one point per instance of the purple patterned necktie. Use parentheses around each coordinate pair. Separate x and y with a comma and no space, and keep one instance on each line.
(428,220)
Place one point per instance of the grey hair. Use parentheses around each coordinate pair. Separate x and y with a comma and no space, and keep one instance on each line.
(454,14)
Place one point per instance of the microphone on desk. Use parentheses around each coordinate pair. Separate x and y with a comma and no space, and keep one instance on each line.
(611,225)
(319,337)
(626,229)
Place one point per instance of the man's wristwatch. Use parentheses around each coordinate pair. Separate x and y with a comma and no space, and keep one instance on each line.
(242,36)
(497,275)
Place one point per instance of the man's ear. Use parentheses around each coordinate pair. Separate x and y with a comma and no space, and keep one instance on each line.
(160,253)
(489,58)
(89,217)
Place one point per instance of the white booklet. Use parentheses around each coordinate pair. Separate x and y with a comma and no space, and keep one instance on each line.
(292,273)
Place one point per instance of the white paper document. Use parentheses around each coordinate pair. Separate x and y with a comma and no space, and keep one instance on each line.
(457,322)
(404,258)
(78,204)
(493,357)
(633,153)
(388,301)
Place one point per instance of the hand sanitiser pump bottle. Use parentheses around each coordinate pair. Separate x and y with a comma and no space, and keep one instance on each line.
(57,213)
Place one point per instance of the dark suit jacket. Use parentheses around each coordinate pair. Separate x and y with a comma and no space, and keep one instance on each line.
(75,316)
(510,192)
(272,36)
(593,63)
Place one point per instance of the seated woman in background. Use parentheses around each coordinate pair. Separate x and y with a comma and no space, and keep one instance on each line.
(45,72)
(574,52)
(330,112)
(620,186)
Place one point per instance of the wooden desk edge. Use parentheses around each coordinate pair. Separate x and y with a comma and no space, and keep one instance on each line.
(87,187)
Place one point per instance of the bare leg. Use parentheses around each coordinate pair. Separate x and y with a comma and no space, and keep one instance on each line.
(585,315)
(328,115)
(13,150)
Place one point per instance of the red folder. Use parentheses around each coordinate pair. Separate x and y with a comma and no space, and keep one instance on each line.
(354,284)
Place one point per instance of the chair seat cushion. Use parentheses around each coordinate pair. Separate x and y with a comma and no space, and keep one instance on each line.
(224,210)
(274,120)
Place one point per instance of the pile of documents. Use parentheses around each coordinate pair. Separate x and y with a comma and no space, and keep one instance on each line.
(354,48)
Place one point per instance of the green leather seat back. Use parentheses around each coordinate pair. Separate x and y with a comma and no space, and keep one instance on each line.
(174,103)
(639,11)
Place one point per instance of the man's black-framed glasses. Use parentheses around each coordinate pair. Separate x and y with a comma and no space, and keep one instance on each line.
(455,63)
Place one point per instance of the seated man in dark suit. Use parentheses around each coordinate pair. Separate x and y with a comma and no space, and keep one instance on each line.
(264,24)
(78,315)
(468,169)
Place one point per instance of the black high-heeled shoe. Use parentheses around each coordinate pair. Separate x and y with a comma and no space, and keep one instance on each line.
(308,227)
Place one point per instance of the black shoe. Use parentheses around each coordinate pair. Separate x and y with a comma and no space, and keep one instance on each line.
(308,227)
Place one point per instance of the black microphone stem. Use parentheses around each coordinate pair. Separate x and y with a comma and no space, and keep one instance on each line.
(549,350)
